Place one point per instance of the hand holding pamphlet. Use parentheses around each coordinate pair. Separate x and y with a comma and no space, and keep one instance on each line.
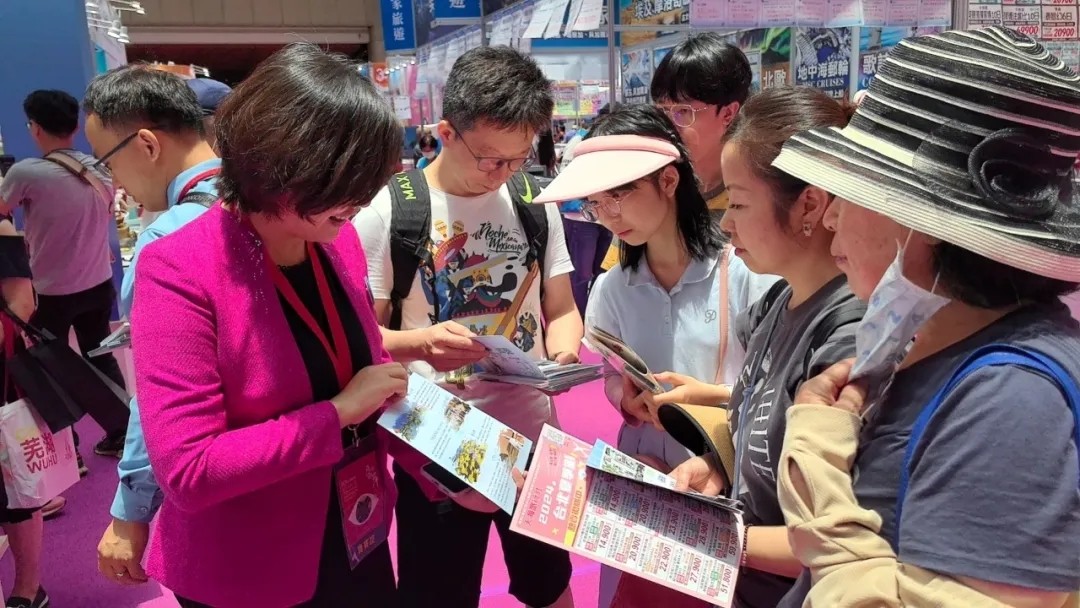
(509,364)
(622,359)
(600,503)
(474,447)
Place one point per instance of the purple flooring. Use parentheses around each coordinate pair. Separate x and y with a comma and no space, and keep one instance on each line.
(70,569)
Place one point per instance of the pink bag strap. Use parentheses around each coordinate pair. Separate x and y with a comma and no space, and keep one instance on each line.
(723,261)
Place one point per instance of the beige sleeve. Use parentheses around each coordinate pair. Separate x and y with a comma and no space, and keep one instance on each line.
(850,564)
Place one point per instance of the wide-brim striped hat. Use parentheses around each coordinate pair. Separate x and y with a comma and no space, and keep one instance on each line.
(969,137)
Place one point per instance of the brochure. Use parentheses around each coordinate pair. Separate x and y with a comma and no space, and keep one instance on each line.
(621,358)
(476,448)
(684,541)
(509,364)
(121,338)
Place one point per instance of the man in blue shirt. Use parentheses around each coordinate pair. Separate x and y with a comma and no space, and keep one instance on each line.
(146,126)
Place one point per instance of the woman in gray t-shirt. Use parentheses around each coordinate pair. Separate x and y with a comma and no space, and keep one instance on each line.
(798,329)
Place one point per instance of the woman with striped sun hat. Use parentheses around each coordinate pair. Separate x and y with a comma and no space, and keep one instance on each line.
(940,467)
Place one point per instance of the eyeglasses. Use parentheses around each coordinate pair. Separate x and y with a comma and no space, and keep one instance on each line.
(491,164)
(682,114)
(610,204)
(102,165)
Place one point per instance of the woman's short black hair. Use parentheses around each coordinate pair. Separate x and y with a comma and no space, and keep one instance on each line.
(427,142)
(305,133)
(979,281)
(57,112)
(700,233)
(706,68)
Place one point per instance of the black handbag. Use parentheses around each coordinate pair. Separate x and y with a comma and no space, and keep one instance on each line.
(62,385)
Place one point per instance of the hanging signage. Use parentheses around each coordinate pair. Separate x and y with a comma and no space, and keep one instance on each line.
(654,13)
(823,59)
(738,14)
(455,9)
(398,25)
(380,77)
(637,72)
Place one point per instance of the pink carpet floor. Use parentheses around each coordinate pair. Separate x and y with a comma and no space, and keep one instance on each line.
(70,568)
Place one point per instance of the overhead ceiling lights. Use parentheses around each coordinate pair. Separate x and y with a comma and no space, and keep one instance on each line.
(128,5)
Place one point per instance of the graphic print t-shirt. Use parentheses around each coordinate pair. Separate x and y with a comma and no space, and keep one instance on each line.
(479,251)
(781,342)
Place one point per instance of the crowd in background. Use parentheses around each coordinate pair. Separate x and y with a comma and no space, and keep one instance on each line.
(871,294)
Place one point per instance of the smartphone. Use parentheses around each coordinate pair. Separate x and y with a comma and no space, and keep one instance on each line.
(445,480)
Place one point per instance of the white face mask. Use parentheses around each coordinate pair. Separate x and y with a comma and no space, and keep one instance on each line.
(897,309)
(429,155)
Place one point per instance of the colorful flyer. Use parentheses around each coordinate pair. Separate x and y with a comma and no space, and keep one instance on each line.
(636,75)
(691,544)
(902,12)
(1059,20)
(982,13)
(823,59)
(476,448)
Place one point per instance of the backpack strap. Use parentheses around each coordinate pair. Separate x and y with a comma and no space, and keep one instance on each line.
(758,310)
(199,198)
(82,172)
(825,328)
(990,355)
(410,235)
(533,217)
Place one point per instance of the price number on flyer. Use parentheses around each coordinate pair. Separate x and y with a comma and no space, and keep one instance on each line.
(1059,33)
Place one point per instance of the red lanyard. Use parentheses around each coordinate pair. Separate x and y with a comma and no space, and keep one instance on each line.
(198,179)
(339,352)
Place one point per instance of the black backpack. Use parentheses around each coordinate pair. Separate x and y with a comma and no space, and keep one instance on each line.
(819,334)
(410,229)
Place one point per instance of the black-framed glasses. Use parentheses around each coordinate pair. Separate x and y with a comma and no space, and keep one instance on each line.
(102,165)
(682,114)
(491,164)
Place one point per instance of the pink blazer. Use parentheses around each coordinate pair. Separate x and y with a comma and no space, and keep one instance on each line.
(242,454)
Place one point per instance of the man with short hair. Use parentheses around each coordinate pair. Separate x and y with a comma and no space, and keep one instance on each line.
(701,84)
(491,270)
(67,202)
(147,126)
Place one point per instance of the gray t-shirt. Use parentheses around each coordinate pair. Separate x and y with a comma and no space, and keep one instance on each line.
(67,224)
(994,490)
(776,364)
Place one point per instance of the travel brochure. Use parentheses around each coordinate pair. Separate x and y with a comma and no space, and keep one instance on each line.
(509,364)
(465,441)
(621,358)
(602,504)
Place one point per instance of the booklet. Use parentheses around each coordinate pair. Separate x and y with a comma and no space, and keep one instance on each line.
(602,504)
(622,359)
(121,338)
(474,447)
(509,364)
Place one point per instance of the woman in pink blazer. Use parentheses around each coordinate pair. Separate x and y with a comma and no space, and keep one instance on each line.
(259,363)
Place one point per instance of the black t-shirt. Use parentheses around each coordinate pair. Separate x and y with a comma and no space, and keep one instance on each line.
(320,368)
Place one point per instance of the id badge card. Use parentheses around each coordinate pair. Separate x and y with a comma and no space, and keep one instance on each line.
(361,484)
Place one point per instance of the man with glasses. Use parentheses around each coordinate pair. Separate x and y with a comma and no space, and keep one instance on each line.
(67,205)
(147,125)
(484,273)
(701,84)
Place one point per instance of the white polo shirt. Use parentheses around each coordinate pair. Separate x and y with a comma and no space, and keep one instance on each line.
(678,330)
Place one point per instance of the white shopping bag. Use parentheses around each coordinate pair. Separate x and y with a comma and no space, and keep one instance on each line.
(37,465)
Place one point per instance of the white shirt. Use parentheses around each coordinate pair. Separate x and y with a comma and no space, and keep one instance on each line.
(479,257)
(678,330)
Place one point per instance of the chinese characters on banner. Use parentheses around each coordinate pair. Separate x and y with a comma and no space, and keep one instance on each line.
(637,72)
(823,59)
(651,12)
(398,25)
(1047,20)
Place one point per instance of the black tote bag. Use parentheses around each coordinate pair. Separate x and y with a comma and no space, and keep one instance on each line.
(62,385)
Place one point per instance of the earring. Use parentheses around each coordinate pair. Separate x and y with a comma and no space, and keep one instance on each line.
(807,229)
